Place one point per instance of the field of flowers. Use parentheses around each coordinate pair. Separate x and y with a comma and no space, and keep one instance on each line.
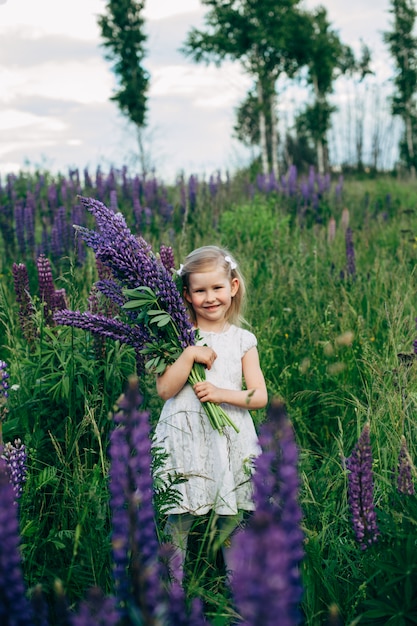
(331,273)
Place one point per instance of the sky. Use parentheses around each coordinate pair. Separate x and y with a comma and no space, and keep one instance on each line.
(55,89)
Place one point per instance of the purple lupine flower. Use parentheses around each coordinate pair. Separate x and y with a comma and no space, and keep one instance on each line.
(20,227)
(133,335)
(167,257)
(361,491)
(350,253)
(26,307)
(16,457)
(192,191)
(213,185)
(4,376)
(60,233)
(46,287)
(134,539)
(4,394)
(177,612)
(29,222)
(133,263)
(60,299)
(405,482)
(14,607)
(311,181)
(267,554)
(52,194)
(96,610)
(292,180)
(183,194)
(113,201)
(88,183)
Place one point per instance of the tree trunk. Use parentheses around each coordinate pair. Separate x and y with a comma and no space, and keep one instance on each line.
(410,145)
(262,129)
(319,140)
(274,133)
(320,156)
(142,154)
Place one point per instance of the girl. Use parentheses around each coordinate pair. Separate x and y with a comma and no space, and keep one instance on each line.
(217,466)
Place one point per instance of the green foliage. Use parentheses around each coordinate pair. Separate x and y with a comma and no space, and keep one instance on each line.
(329,346)
(402,44)
(122,29)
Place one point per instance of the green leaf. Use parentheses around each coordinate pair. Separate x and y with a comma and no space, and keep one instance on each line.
(132,304)
(139,292)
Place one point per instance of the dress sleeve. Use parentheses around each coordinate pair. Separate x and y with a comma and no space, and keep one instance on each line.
(248,341)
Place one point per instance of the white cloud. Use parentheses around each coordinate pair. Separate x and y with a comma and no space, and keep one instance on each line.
(12,120)
(80,82)
(159,9)
(76,18)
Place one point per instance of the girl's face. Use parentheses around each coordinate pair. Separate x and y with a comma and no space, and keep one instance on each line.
(210,294)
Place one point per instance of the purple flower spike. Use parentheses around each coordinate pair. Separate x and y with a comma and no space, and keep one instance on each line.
(167,257)
(133,263)
(134,538)
(46,287)
(24,300)
(361,491)
(350,253)
(4,375)
(267,554)
(4,393)
(405,482)
(96,610)
(13,600)
(16,457)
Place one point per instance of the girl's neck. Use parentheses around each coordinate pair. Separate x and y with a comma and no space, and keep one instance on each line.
(214,327)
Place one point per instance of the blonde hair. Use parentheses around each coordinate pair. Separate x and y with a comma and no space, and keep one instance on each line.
(199,260)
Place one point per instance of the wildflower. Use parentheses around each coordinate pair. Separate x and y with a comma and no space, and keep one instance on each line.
(360,491)
(167,257)
(4,394)
(16,457)
(331,230)
(267,554)
(350,253)
(96,610)
(26,308)
(405,483)
(134,539)
(13,601)
(133,263)
(52,299)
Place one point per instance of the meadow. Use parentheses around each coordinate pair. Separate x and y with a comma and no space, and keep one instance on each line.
(330,266)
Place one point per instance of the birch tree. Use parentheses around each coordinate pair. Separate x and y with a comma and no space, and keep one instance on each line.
(402,44)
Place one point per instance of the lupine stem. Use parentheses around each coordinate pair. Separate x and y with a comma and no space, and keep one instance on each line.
(217,415)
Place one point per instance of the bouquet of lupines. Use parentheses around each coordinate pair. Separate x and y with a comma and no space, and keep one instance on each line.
(143,286)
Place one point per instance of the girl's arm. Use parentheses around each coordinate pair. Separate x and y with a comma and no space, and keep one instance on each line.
(254,397)
(176,375)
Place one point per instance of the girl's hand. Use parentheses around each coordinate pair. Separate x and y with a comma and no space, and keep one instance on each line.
(207,392)
(204,355)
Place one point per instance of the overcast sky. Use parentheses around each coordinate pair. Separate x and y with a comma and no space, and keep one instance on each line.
(55,87)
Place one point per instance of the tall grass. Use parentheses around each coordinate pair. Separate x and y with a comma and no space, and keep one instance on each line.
(329,342)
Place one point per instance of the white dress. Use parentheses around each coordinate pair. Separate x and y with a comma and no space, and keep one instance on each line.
(217,467)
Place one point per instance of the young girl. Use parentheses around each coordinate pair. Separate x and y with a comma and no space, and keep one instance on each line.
(217,466)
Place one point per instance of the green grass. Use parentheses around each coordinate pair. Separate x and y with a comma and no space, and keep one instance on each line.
(329,346)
